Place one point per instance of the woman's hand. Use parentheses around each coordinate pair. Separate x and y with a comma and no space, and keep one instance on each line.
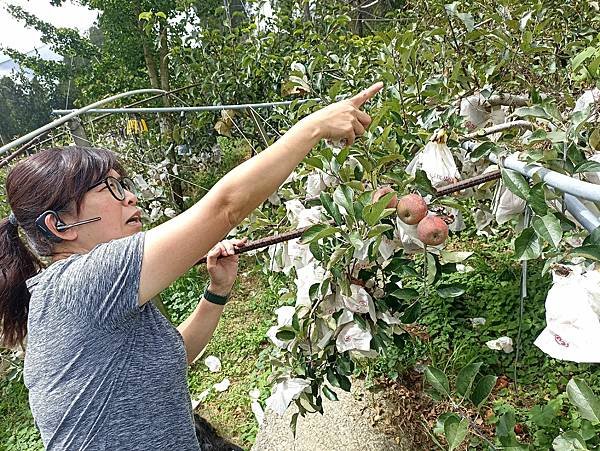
(344,120)
(223,270)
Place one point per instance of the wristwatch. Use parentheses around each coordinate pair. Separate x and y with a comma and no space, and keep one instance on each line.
(215,298)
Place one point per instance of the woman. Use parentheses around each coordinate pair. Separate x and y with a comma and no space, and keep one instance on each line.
(105,370)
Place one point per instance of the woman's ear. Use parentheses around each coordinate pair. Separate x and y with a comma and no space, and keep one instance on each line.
(48,222)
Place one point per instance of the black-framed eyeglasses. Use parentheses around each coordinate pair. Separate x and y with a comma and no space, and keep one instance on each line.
(117,186)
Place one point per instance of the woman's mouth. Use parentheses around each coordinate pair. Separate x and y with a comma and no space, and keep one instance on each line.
(135,220)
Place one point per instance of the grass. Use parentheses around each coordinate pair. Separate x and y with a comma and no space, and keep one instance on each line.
(17,431)
(238,342)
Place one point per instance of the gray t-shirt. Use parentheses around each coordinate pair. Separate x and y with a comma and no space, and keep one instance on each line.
(104,373)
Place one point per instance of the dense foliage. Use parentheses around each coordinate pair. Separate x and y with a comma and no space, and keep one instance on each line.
(366,284)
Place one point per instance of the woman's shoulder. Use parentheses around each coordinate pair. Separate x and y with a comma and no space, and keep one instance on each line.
(74,262)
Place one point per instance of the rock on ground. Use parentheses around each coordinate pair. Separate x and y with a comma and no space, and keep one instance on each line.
(346,425)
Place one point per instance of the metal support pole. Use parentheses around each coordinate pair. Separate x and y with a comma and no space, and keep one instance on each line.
(186,109)
(572,188)
(71,115)
(583,215)
(566,184)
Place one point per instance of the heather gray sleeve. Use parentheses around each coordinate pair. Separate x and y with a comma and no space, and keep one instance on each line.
(102,286)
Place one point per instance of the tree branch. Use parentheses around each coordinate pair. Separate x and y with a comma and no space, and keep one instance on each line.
(508,100)
(523,125)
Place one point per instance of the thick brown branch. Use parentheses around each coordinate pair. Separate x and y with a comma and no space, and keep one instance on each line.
(269,241)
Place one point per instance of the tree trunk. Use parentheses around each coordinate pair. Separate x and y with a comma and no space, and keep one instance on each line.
(148,57)
(358,24)
(78,133)
(307,10)
(160,80)
(165,85)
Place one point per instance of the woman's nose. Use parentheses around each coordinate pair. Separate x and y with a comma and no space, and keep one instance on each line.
(130,198)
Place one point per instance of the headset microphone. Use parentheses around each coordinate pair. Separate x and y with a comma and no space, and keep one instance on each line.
(40,223)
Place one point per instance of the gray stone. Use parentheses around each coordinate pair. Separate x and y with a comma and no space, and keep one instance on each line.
(346,425)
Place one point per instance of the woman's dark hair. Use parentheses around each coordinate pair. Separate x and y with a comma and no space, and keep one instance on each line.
(54,179)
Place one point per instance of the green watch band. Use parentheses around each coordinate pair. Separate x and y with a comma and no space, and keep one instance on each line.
(215,298)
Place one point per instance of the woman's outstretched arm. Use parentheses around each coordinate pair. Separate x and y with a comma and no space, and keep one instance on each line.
(173,247)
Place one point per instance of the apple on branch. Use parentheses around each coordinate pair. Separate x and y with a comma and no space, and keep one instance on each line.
(380,192)
(411,209)
(432,230)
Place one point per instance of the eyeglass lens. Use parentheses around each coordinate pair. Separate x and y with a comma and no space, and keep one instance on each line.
(115,188)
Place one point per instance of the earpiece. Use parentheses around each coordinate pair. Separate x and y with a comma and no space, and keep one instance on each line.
(40,223)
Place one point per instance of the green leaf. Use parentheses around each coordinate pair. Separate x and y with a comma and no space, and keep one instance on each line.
(401,266)
(331,208)
(344,382)
(378,230)
(406,294)
(431,268)
(533,111)
(332,377)
(594,139)
(285,335)
(515,183)
(505,430)
(316,232)
(589,251)
(527,245)
(438,380)
(569,441)
(315,162)
(294,423)
(543,416)
(329,393)
(587,430)
(412,313)
(548,227)
(451,290)
(423,182)
(587,166)
(439,423)
(482,390)
(453,257)
(484,149)
(466,377)
(582,396)
(373,213)
(344,197)
(557,136)
(336,256)
(582,56)
(354,238)
(593,238)
(537,199)
(468,20)
(455,430)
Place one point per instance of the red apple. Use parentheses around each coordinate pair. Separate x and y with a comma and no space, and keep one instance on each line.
(432,230)
(411,209)
(380,192)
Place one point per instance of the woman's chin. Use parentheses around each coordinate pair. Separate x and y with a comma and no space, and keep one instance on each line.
(133,227)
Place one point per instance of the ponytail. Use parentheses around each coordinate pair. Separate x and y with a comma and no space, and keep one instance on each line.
(17,264)
(52,179)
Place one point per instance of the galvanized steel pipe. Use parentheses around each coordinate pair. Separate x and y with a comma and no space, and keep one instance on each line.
(74,113)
